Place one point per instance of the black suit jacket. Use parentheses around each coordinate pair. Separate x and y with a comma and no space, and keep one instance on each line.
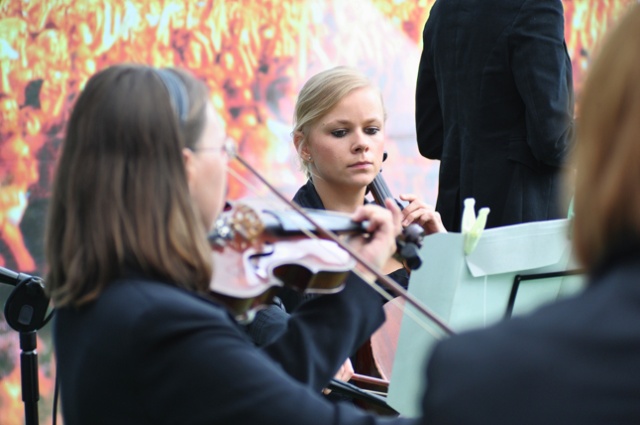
(494,103)
(147,352)
(573,362)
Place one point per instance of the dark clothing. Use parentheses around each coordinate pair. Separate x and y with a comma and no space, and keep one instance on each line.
(147,352)
(272,321)
(269,323)
(494,103)
(573,362)
(308,197)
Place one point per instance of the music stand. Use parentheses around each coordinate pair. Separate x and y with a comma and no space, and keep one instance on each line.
(523,277)
(25,311)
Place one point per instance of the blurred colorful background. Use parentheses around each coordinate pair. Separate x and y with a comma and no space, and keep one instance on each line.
(253,54)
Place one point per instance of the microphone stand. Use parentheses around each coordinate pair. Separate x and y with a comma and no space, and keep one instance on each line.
(25,311)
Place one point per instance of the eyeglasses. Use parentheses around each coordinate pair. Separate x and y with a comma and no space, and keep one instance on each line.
(228,147)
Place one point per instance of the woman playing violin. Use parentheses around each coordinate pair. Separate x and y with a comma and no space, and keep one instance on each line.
(138,338)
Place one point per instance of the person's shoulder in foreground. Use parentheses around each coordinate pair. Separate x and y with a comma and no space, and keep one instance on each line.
(570,362)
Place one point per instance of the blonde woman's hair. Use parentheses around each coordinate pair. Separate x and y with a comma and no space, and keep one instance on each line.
(607,154)
(319,95)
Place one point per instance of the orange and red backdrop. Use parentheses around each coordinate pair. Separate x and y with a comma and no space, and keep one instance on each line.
(253,54)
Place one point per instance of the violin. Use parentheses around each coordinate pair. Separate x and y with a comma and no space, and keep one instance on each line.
(257,249)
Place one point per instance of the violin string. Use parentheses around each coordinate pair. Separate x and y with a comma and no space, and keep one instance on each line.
(393,285)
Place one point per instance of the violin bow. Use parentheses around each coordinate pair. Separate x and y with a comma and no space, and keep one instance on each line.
(390,283)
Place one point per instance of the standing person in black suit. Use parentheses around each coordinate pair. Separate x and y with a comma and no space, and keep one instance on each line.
(494,103)
(139,337)
(576,361)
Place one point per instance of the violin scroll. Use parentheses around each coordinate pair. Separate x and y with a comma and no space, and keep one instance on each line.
(238,228)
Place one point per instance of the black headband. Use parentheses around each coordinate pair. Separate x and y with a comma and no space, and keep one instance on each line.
(177,93)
